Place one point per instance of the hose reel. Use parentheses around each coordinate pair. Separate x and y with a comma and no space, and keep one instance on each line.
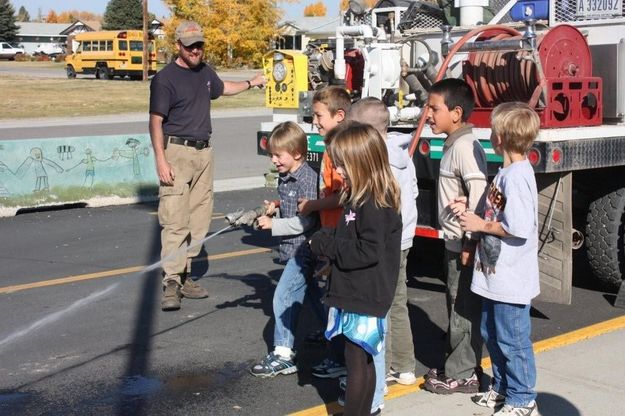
(555,79)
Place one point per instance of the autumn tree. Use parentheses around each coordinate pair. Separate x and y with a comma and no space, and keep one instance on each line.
(237,31)
(23,15)
(71,16)
(8,28)
(52,17)
(368,4)
(315,9)
(123,14)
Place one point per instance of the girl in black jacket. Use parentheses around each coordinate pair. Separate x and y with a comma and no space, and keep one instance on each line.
(365,252)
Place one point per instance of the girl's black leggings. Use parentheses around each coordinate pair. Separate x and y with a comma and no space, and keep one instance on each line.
(360,380)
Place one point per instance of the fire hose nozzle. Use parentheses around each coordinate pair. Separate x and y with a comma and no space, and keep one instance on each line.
(241,217)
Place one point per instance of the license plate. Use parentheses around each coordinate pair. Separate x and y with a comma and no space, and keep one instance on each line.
(136,60)
(589,9)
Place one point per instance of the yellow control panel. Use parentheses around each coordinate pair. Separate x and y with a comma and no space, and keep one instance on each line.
(286,72)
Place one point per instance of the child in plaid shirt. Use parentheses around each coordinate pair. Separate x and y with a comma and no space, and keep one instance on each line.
(287,147)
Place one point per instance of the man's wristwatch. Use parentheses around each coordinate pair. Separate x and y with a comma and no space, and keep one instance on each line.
(249,84)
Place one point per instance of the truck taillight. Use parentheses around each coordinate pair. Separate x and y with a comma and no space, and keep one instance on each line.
(263,142)
(556,156)
(424,147)
(533,156)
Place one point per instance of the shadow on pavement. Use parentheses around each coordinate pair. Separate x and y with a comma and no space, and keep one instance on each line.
(554,405)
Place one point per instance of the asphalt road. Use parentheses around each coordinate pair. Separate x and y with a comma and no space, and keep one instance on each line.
(99,344)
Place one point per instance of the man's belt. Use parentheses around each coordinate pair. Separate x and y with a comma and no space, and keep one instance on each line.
(199,144)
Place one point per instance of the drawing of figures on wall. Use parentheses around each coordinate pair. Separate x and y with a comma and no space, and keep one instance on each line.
(38,162)
(89,162)
(65,151)
(4,192)
(132,153)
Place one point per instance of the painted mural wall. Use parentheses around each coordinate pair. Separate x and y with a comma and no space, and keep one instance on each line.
(38,172)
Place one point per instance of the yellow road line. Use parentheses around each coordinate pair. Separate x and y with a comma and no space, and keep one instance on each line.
(397,390)
(217,216)
(119,272)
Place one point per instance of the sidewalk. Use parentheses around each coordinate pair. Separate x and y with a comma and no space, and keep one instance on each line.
(574,380)
(121,118)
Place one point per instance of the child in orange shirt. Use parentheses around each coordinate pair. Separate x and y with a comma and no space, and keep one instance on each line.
(330,106)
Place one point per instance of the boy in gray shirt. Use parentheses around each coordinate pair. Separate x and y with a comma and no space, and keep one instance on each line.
(462,175)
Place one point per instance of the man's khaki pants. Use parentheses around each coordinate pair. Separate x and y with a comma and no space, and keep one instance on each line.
(185,209)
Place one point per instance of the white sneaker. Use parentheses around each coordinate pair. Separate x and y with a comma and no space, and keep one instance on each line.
(507,410)
(490,399)
(402,378)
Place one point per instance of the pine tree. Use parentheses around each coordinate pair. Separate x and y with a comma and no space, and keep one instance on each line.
(123,14)
(8,28)
(23,15)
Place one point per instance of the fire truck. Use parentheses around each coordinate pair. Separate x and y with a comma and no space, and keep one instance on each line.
(564,58)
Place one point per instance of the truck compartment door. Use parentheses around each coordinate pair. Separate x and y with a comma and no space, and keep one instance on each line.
(554,233)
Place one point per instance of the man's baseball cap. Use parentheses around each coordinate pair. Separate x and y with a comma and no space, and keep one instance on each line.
(189,32)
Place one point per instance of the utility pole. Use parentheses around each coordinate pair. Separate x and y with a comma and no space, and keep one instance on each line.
(146,53)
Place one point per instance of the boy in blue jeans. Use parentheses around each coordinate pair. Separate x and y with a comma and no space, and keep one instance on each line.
(506,263)
(287,147)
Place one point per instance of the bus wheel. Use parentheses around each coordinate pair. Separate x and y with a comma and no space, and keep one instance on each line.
(605,238)
(71,72)
(102,73)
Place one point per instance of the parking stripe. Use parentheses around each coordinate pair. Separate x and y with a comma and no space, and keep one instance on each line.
(120,272)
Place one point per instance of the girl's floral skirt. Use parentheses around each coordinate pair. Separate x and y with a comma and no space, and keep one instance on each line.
(363,330)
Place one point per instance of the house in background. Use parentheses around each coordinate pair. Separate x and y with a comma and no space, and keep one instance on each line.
(36,36)
(295,34)
(78,27)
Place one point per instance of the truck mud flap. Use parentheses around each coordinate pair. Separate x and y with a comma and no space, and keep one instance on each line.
(554,234)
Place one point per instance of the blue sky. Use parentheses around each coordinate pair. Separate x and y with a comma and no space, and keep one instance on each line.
(155,6)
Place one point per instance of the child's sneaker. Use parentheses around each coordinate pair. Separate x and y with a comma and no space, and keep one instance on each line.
(374,412)
(507,410)
(402,378)
(490,399)
(272,365)
(343,383)
(445,385)
(329,369)
(434,373)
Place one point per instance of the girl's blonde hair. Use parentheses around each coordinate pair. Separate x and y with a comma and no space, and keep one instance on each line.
(360,150)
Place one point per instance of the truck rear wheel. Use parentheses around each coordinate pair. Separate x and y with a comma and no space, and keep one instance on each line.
(605,237)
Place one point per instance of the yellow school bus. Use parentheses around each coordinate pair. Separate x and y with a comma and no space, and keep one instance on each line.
(110,54)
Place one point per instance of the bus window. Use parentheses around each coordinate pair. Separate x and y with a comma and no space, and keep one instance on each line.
(123,45)
(109,45)
(136,45)
(86,46)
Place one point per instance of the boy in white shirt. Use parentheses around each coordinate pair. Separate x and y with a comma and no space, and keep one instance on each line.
(506,262)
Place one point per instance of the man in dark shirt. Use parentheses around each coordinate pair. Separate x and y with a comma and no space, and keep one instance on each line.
(180,128)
